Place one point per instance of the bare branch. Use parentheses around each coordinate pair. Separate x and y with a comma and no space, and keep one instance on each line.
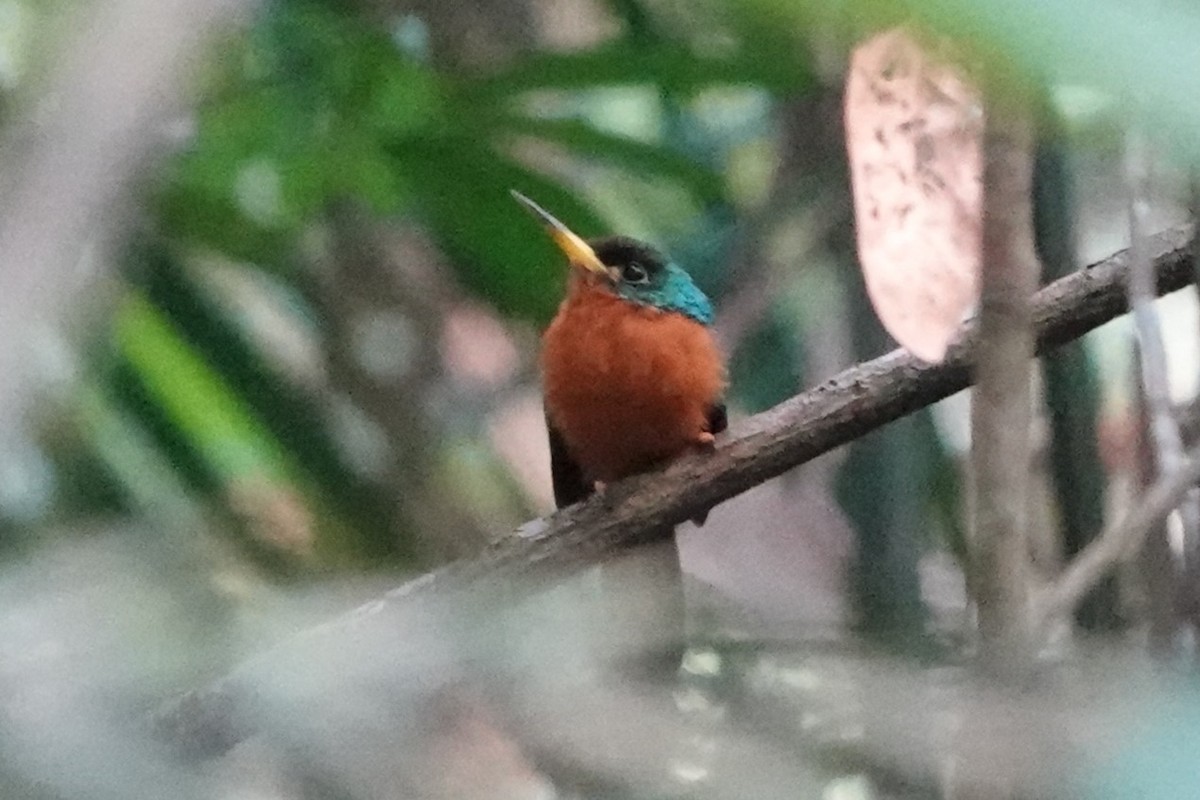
(1002,406)
(1164,427)
(1119,541)
(840,410)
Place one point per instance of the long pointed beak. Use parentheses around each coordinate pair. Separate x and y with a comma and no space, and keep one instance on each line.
(579,252)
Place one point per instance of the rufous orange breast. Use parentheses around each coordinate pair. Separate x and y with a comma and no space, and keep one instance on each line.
(627,386)
(631,372)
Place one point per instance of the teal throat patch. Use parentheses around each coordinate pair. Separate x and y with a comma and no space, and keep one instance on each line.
(670,289)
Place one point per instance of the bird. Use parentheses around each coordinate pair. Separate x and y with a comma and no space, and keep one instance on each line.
(632,376)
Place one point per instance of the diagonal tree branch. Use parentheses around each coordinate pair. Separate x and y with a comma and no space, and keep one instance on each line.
(845,407)
(852,403)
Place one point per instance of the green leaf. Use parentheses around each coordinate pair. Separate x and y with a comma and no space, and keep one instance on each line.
(255,139)
(671,65)
(128,388)
(639,157)
(500,252)
(215,221)
(303,128)
(405,98)
(286,414)
(359,167)
(636,18)
(203,407)
(768,366)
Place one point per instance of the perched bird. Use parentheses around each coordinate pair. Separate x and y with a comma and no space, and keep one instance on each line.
(632,375)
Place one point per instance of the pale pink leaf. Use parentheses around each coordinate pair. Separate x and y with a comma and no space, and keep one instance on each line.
(914,134)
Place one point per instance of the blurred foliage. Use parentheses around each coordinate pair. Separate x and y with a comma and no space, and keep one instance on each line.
(884,488)
(755,365)
(318,105)
(277,393)
(1072,387)
(683,126)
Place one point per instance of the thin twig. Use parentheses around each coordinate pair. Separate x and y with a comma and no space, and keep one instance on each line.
(1194,209)
(1164,426)
(1153,357)
(1118,541)
(860,399)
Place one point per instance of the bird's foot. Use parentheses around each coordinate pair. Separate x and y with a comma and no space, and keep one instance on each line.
(601,492)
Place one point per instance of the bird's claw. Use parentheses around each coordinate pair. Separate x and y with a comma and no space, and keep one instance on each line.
(706,441)
(601,492)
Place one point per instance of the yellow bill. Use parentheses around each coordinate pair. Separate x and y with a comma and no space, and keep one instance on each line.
(579,252)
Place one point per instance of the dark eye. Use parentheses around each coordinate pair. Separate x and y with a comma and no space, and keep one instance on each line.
(633,272)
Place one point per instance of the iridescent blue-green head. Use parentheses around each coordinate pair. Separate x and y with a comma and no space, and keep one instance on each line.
(645,276)
(635,270)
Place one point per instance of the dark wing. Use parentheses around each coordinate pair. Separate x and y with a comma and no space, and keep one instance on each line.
(570,486)
(718,419)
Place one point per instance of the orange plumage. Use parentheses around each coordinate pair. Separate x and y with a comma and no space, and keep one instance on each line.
(631,373)
(627,386)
